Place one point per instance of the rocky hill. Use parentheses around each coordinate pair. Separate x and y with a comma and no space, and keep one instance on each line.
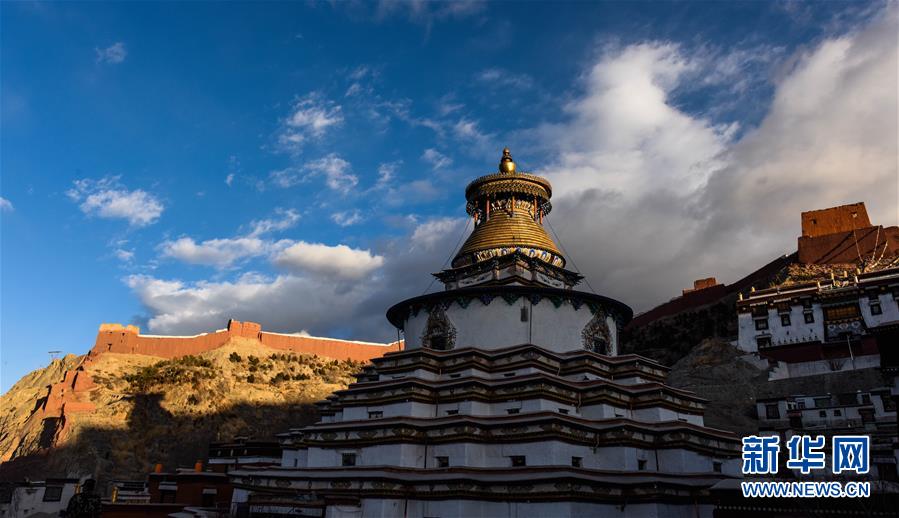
(114,416)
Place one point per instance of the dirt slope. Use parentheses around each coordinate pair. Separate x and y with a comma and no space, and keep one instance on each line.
(141,410)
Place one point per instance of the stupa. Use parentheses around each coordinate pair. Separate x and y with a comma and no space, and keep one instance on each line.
(510,399)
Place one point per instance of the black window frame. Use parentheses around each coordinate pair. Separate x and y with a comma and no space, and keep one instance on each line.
(442,461)
(347,459)
(518,461)
(577,462)
(55,496)
(876,308)
(775,414)
(761,324)
(785,320)
(809,317)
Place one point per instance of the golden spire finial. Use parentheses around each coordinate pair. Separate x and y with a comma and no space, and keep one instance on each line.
(506,164)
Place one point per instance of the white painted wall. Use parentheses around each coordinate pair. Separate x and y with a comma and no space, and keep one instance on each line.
(489,509)
(797,331)
(888,306)
(28,501)
(499,325)
(544,453)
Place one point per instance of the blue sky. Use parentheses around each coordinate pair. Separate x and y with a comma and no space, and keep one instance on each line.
(302,164)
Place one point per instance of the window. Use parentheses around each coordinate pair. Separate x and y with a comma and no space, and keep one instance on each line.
(375,414)
(563,411)
(772,411)
(457,375)
(763,341)
(716,466)
(841,312)
(348,459)
(524,314)
(508,374)
(822,413)
(641,464)
(866,399)
(518,461)
(761,324)
(822,402)
(809,317)
(785,320)
(208,499)
(452,412)
(52,493)
(442,462)
(876,309)
(511,411)
(577,461)
(838,413)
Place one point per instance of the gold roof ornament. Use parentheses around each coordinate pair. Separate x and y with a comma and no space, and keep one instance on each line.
(508,209)
(506,164)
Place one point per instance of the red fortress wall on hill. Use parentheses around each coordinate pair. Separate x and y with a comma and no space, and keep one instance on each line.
(116,338)
(844,234)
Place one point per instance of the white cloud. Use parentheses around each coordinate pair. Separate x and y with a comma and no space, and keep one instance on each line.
(427,12)
(337,172)
(220,253)
(339,261)
(226,252)
(229,179)
(387,172)
(108,198)
(126,256)
(286,178)
(286,219)
(285,303)
(436,158)
(310,117)
(341,289)
(649,197)
(113,54)
(6,205)
(347,217)
(501,78)
(426,236)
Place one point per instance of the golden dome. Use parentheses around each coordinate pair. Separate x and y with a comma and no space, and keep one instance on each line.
(508,208)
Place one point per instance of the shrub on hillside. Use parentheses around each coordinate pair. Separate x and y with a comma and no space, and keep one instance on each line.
(186,369)
(235,358)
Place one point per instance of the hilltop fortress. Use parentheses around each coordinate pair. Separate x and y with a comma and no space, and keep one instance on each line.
(116,338)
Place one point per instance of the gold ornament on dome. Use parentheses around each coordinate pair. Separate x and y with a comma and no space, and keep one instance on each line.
(506,164)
